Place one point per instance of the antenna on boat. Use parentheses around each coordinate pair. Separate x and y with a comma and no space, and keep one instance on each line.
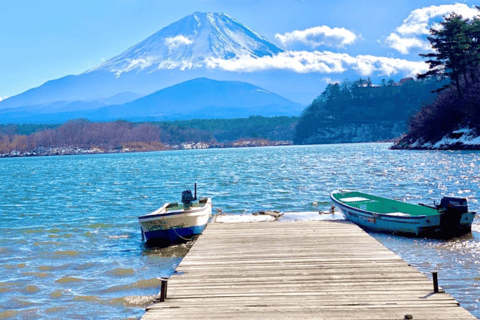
(195,197)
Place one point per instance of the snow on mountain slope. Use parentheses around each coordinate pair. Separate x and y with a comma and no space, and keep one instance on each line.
(189,42)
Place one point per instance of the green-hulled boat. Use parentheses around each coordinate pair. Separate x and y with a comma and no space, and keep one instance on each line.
(450,218)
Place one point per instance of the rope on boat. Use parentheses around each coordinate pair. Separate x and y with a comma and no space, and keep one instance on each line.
(181,236)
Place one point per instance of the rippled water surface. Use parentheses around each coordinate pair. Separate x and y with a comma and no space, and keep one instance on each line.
(70,245)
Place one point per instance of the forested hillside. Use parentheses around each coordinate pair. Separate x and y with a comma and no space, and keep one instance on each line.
(361,102)
(272,128)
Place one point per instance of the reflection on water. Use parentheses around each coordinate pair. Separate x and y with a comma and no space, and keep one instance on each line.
(70,244)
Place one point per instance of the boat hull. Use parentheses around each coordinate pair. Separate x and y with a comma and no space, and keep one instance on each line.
(175,226)
(173,235)
(420,225)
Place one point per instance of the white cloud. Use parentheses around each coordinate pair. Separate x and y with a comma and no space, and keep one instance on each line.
(297,61)
(321,62)
(177,41)
(411,34)
(418,20)
(319,36)
(6,97)
(404,45)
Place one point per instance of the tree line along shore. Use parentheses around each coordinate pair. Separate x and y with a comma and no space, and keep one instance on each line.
(81,136)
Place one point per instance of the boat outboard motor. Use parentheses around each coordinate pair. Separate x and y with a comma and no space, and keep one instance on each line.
(456,205)
(452,209)
(188,198)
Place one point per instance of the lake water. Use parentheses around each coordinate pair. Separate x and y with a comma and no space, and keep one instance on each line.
(70,245)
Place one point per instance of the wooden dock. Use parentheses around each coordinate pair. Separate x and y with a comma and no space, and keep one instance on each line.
(298,270)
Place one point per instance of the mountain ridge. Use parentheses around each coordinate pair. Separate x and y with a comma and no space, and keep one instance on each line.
(196,98)
(206,98)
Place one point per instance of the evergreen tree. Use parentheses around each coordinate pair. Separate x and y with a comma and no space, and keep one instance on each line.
(456,54)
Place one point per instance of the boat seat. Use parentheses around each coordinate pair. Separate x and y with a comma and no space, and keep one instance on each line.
(397,214)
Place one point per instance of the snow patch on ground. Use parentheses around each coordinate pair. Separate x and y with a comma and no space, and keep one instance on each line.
(465,136)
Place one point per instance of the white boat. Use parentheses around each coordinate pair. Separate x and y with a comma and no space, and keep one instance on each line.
(174,222)
(450,218)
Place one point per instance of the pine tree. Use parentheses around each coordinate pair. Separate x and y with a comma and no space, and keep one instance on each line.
(456,56)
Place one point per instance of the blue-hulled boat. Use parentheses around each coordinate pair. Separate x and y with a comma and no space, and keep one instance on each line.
(174,222)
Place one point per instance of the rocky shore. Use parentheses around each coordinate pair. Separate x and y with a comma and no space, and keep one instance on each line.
(461,139)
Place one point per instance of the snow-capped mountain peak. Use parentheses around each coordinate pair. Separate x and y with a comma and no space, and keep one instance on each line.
(189,42)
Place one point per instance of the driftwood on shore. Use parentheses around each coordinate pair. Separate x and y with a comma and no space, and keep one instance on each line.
(276,214)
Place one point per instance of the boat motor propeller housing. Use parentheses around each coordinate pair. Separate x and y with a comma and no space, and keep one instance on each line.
(188,198)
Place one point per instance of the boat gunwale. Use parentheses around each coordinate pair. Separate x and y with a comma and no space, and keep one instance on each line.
(383,215)
(191,210)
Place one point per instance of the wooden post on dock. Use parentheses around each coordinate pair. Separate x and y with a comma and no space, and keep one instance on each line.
(435,282)
(163,290)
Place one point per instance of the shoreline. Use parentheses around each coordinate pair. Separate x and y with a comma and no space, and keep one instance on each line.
(446,148)
(69,151)
(457,140)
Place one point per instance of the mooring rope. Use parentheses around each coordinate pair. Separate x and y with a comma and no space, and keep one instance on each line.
(181,236)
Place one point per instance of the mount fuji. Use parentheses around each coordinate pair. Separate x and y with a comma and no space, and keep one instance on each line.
(190,43)
(175,54)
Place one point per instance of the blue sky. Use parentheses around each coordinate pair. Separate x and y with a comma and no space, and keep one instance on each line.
(45,40)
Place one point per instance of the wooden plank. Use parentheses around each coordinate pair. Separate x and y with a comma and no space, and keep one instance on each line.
(302,269)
